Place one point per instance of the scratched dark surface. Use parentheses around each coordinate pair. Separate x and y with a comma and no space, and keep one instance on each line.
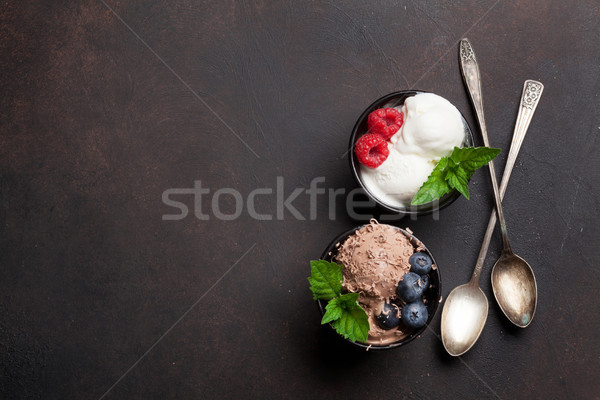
(102,111)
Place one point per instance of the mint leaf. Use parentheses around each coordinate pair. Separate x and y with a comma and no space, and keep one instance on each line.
(347,317)
(353,323)
(434,185)
(343,311)
(454,172)
(349,300)
(457,180)
(325,280)
(336,307)
(333,311)
(471,159)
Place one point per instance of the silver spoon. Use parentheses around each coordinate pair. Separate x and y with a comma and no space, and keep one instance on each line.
(513,281)
(466,308)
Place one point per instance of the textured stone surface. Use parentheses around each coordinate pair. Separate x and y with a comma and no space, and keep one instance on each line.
(100,114)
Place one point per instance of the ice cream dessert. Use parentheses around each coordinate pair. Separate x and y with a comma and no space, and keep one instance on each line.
(377,261)
(405,143)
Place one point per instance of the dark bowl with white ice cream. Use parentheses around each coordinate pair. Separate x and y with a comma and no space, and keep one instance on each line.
(432,126)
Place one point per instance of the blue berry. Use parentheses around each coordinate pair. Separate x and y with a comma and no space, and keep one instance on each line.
(420,263)
(415,315)
(389,318)
(411,287)
(425,282)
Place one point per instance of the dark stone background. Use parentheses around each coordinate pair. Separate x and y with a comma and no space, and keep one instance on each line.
(98,119)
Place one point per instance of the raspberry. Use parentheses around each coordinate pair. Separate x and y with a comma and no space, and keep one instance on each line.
(371,150)
(385,121)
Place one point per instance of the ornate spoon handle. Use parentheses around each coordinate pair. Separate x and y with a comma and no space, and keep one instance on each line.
(532,91)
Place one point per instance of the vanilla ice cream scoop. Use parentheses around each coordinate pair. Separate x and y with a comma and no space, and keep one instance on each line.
(432,127)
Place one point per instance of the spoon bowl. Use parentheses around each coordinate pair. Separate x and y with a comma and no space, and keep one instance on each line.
(515,289)
(463,318)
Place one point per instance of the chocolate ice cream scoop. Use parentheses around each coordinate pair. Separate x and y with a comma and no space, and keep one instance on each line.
(375,259)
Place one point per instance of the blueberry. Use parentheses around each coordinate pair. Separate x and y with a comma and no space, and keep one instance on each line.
(389,318)
(411,287)
(420,263)
(414,315)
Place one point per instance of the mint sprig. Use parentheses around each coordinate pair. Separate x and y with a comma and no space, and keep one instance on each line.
(353,322)
(342,310)
(325,279)
(454,172)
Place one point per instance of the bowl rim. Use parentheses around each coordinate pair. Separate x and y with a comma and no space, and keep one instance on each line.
(422,209)
(432,309)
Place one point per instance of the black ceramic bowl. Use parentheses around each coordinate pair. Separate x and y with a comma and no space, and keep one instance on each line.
(360,128)
(432,295)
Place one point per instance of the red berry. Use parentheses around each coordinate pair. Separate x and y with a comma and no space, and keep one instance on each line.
(385,121)
(371,150)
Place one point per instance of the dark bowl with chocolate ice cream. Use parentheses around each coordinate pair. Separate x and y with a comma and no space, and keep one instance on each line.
(374,258)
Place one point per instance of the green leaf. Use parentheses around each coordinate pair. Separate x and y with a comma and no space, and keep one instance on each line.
(454,172)
(435,184)
(347,317)
(333,311)
(353,324)
(343,311)
(325,280)
(348,300)
(456,180)
(336,307)
(471,159)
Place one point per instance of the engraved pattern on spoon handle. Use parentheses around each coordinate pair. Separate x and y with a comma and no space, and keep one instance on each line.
(532,91)
(471,76)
